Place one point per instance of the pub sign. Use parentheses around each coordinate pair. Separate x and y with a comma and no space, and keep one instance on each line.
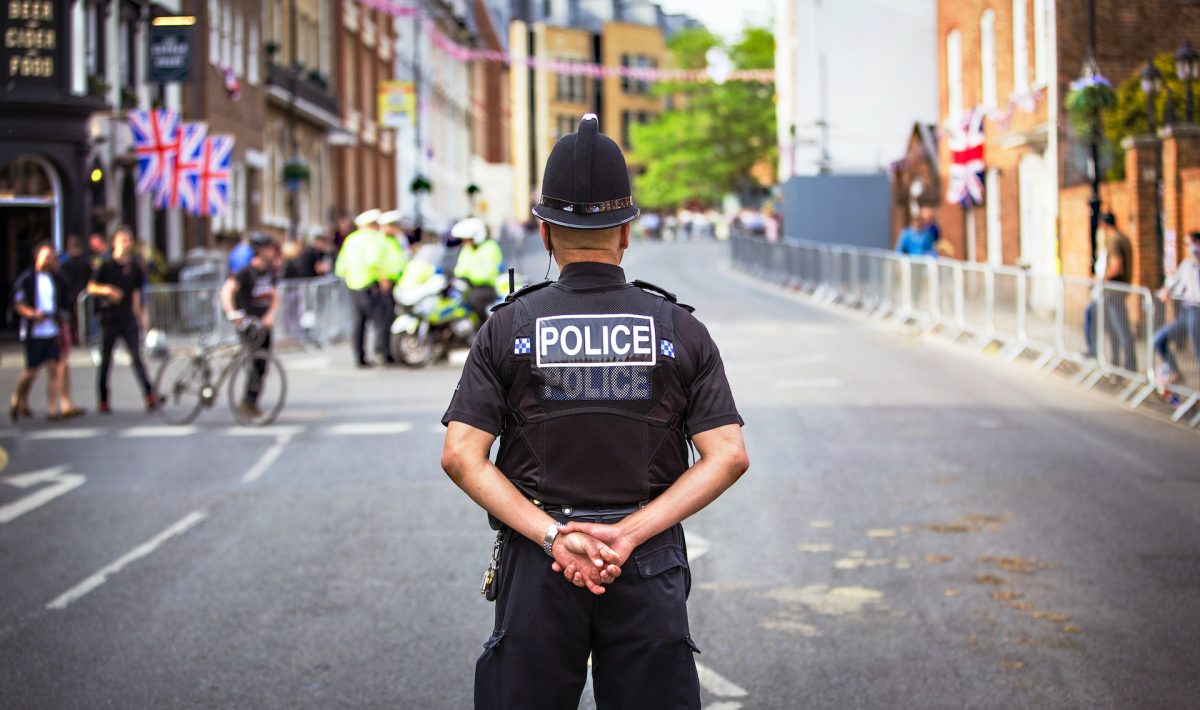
(32,53)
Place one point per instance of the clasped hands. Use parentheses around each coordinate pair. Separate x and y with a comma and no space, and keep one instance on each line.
(591,554)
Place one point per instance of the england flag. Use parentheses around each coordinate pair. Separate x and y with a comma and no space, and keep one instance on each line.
(178,189)
(966,161)
(211,179)
(155,143)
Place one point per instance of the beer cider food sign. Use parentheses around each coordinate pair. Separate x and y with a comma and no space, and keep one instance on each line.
(34,34)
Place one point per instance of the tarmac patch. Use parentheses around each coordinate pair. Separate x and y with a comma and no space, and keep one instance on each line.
(826,600)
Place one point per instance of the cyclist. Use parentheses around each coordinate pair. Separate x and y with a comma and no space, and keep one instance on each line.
(479,262)
(253,292)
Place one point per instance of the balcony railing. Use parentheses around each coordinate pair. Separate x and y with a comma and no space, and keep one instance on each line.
(306,88)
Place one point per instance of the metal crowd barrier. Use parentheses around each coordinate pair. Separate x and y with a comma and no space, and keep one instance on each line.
(1097,331)
(312,312)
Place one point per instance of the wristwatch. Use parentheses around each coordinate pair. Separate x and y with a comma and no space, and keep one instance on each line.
(551,534)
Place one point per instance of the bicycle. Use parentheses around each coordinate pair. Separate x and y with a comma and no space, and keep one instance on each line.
(185,383)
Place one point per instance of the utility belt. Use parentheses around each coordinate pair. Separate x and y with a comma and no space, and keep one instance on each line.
(608,513)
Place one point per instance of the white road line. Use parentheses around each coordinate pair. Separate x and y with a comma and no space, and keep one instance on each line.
(75,593)
(437,429)
(724,706)
(160,432)
(52,434)
(369,428)
(284,430)
(63,483)
(718,685)
(267,459)
(811,383)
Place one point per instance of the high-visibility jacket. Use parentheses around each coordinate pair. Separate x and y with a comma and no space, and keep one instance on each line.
(480,265)
(362,260)
(394,258)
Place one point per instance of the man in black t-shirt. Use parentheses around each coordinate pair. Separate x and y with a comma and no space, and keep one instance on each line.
(253,293)
(117,286)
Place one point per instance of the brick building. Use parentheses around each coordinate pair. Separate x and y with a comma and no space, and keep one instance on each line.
(1016,59)
(365,46)
(548,105)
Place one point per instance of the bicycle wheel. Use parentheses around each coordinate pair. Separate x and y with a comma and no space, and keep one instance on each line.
(180,386)
(260,405)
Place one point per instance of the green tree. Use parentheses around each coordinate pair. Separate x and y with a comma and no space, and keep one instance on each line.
(711,136)
(1129,117)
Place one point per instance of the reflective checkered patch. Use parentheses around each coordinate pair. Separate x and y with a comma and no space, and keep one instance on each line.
(667,348)
(521,346)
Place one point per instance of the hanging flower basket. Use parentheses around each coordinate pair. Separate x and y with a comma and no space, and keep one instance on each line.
(1089,97)
(296,174)
(272,48)
(316,77)
(419,185)
(473,190)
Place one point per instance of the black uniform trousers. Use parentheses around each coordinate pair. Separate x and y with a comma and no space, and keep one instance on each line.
(636,632)
(371,308)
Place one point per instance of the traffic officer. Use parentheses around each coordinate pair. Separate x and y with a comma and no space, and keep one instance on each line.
(595,387)
(362,263)
(480,263)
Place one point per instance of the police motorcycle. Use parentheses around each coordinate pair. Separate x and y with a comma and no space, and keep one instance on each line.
(432,315)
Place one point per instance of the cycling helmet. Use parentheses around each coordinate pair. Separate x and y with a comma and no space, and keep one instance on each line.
(259,241)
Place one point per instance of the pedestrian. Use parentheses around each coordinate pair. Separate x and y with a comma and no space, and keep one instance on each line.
(361,263)
(119,287)
(480,263)
(250,299)
(916,239)
(40,301)
(1182,287)
(596,386)
(76,271)
(312,261)
(1114,264)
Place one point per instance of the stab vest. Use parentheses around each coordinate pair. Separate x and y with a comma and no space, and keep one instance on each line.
(595,395)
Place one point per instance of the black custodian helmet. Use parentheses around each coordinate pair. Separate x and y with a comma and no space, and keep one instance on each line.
(586,183)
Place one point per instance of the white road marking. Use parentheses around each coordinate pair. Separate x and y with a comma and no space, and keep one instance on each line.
(369,428)
(697,547)
(83,588)
(157,432)
(267,459)
(276,430)
(51,434)
(719,685)
(312,363)
(724,706)
(437,429)
(63,483)
(811,383)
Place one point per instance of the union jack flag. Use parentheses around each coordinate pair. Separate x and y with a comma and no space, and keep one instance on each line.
(178,189)
(211,179)
(155,143)
(966,164)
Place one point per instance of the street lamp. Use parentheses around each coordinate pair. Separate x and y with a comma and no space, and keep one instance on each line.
(1187,65)
(1151,84)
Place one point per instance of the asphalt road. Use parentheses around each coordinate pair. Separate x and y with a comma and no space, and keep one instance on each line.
(920,528)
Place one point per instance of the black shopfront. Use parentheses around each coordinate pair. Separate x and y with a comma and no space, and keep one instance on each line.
(44,142)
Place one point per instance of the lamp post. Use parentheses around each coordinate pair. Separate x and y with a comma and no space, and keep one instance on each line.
(1187,64)
(1091,71)
(1152,84)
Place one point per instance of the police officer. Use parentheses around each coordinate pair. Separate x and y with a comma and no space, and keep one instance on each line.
(480,262)
(362,263)
(595,387)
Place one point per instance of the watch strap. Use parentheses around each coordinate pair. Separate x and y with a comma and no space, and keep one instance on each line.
(551,535)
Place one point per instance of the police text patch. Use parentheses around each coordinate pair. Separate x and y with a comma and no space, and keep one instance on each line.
(595,341)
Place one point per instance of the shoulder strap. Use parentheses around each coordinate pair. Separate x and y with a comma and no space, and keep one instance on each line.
(647,286)
(520,292)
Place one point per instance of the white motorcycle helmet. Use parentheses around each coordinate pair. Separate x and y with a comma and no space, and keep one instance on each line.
(470,228)
(156,344)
